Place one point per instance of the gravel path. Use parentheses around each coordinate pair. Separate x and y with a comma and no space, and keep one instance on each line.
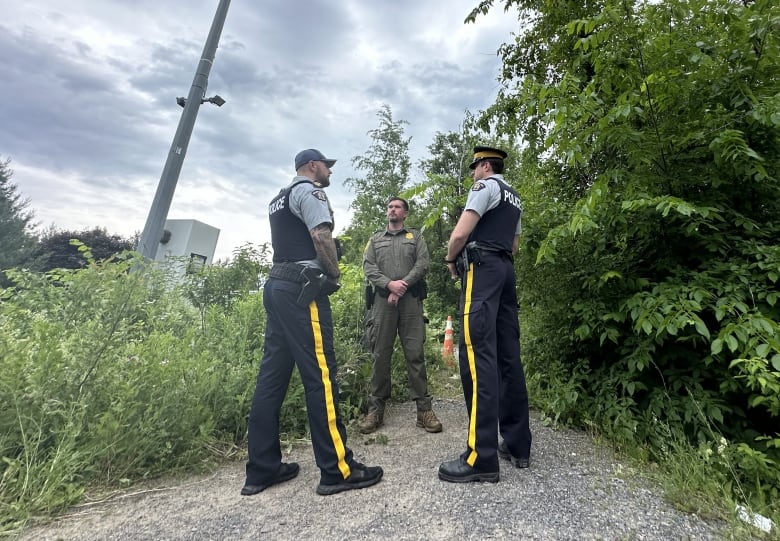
(573,490)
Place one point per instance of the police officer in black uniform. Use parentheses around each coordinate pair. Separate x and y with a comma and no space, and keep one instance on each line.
(299,331)
(480,253)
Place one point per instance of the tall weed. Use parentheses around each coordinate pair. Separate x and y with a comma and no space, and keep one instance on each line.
(109,376)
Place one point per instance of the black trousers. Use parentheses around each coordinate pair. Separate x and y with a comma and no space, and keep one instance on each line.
(303,337)
(490,368)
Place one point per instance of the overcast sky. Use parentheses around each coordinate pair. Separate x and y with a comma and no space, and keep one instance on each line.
(88,99)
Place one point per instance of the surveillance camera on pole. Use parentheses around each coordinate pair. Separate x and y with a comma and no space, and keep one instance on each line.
(216,99)
(153,230)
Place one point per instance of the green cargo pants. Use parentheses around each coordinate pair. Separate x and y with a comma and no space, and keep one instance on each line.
(385,322)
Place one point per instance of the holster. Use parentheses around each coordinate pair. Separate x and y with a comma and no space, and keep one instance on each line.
(419,289)
(369,292)
(471,253)
(313,284)
(474,253)
(462,262)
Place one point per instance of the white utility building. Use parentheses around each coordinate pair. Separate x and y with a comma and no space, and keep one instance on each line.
(187,245)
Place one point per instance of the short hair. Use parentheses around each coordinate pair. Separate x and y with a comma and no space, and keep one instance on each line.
(402,200)
(496,165)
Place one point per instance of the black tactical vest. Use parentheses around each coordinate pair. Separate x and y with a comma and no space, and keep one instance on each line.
(496,229)
(290,238)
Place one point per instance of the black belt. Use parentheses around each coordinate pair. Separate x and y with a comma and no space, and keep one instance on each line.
(487,248)
(474,251)
(287,271)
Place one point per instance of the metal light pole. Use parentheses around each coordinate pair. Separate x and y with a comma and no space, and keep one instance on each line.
(155,222)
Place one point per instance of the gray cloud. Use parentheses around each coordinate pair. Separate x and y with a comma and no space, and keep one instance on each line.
(88,111)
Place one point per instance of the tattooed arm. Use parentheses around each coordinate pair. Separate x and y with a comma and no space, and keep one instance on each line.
(322,237)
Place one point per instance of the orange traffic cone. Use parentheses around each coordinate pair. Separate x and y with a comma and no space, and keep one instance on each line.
(447,349)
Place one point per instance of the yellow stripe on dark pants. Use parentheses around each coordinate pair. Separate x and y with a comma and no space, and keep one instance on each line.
(472,437)
(319,351)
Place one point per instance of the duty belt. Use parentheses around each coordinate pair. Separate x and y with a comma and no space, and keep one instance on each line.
(477,248)
(289,271)
(313,281)
(472,253)
(486,247)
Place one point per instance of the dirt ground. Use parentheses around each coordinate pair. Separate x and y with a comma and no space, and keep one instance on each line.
(573,490)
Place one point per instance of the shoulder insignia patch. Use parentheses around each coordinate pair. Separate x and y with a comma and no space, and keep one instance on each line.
(479,185)
(320,194)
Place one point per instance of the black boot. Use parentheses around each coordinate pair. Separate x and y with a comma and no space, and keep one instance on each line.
(457,471)
(503,452)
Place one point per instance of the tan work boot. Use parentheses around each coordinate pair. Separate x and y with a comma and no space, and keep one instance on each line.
(427,420)
(372,421)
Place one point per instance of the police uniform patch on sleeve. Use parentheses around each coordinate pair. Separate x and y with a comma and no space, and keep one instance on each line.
(478,186)
(320,194)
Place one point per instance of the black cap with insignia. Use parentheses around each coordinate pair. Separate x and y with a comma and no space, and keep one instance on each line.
(482,153)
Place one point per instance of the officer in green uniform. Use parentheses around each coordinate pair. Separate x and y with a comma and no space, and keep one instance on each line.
(395,262)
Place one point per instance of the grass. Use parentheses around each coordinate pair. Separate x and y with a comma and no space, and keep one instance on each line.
(695,480)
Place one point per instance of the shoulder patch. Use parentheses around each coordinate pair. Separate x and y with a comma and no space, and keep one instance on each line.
(479,185)
(320,194)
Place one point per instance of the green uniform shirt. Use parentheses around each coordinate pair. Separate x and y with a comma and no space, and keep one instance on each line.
(396,255)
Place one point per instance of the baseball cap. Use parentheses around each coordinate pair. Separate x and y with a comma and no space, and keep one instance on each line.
(311,155)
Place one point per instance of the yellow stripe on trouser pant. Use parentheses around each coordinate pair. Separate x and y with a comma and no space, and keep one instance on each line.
(330,409)
(472,436)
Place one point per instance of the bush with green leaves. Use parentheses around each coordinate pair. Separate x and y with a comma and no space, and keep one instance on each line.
(224,282)
(108,377)
(650,269)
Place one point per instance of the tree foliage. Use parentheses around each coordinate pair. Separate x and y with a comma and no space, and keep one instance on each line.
(16,236)
(652,140)
(439,203)
(225,282)
(57,251)
(386,164)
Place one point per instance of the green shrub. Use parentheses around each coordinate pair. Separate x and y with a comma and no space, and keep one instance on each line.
(109,376)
